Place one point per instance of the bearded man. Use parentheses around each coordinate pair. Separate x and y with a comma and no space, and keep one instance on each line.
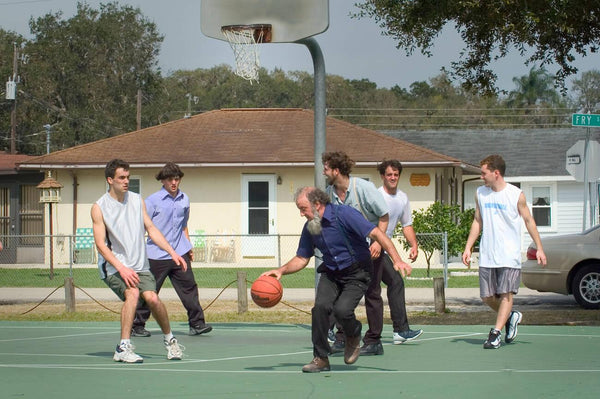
(340,233)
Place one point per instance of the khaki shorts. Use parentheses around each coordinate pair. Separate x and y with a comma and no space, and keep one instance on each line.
(494,281)
(116,283)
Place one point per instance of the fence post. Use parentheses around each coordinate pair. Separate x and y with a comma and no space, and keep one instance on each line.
(69,294)
(242,292)
(439,296)
(445,259)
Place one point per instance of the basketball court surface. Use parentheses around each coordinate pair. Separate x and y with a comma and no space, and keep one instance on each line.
(74,360)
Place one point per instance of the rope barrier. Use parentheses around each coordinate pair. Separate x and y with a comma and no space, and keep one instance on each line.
(44,300)
(113,311)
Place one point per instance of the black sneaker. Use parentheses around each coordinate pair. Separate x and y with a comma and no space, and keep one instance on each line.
(371,349)
(512,326)
(197,330)
(338,347)
(494,340)
(140,331)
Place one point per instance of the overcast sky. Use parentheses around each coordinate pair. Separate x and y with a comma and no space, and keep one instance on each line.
(353,49)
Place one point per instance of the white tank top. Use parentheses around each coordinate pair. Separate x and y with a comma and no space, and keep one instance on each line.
(500,244)
(125,232)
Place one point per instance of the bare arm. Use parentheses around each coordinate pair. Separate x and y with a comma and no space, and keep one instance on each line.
(375,246)
(187,235)
(531,229)
(130,277)
(404,268)
(411,238)
(296,264)
(160,240)
(473,234)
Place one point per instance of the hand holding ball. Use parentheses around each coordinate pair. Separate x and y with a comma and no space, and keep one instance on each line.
(266,291)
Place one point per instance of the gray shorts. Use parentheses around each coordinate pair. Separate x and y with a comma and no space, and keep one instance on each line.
(494,281)
(116,283)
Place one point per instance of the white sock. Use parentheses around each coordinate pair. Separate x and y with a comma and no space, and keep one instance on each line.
(125,341)
(168,336)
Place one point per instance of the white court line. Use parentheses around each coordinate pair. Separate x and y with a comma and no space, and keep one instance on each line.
(139,368)
(55,336)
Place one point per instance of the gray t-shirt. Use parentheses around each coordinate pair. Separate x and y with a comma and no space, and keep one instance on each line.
(363,196)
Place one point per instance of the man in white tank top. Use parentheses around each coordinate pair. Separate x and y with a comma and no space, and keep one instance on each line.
(119,221)
(500,207)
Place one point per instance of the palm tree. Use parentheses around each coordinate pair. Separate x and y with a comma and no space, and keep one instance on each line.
(533,89)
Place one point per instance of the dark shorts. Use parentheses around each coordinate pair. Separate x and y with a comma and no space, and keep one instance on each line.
(494,281)
(116,283)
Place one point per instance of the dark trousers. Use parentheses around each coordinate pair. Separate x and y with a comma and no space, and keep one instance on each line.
(383,270)
(185,286)
(338,293)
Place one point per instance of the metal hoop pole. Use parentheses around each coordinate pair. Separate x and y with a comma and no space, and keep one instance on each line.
(320,107)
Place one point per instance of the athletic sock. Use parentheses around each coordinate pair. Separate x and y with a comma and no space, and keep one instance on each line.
(168,336)
(125,341)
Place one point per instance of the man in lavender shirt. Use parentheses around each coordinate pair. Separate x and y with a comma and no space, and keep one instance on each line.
(169,209)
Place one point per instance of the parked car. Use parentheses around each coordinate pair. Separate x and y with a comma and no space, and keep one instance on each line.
(573,267)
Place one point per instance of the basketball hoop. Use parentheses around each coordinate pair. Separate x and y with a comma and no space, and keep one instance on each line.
(243,40)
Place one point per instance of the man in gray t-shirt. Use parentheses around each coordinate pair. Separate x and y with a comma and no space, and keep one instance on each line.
(363,196)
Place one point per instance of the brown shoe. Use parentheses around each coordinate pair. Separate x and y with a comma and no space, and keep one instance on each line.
(352,350)
(317,365)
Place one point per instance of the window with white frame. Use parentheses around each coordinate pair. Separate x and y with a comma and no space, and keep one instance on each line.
(541,205)
(135,184)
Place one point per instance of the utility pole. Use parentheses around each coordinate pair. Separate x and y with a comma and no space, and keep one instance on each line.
(48,128)
(138,118)
(13,112)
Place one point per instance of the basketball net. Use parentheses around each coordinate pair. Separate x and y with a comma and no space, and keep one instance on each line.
(244,42)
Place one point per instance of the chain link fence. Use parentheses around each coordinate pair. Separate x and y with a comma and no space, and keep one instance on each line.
(46,261)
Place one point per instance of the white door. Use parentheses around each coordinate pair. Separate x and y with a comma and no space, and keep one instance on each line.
(259,216)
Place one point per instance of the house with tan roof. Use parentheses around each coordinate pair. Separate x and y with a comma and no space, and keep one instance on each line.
(242,168)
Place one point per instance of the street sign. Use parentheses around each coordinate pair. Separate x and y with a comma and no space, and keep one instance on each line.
(576,162)
(585,120)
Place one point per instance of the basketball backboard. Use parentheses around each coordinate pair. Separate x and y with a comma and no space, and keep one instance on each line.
(290,20)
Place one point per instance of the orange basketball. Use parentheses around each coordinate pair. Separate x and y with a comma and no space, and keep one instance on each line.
(266,291)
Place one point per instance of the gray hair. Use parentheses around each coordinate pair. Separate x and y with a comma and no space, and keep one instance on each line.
(313,195)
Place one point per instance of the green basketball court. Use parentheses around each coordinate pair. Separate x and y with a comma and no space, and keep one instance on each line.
(74,360)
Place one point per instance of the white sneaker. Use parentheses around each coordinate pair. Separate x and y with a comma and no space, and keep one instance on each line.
(124,353)
(174,350)
(512,326)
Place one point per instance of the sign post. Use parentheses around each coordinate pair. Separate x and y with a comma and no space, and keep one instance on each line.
(584,120)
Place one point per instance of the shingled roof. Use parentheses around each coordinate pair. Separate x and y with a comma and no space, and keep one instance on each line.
(527,152)
(237,137)
(8,162)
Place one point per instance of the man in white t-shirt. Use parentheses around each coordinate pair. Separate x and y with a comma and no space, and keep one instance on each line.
(399,211)
(500,207)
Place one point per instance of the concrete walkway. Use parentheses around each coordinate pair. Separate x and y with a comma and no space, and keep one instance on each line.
(416,298)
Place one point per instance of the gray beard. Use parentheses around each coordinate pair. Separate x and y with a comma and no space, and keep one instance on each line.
(314,226)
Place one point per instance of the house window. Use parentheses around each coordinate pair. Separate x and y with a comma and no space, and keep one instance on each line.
(135,184)
(541,206)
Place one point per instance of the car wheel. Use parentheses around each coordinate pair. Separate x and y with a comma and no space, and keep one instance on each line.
(586,286)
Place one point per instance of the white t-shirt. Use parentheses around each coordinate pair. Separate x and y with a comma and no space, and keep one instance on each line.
(500,244)
(399,210)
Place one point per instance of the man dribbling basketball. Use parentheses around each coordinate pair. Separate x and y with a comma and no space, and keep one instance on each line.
(339,232)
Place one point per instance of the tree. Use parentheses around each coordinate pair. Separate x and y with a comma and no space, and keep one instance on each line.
(439,218)
(533,89)
(84,74)
(548,32)
(587,91)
